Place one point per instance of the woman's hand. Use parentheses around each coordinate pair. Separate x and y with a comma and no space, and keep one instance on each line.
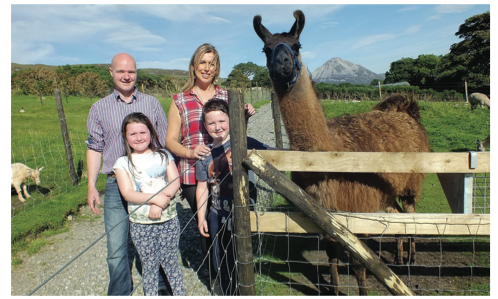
(249,110)
(155,212)
(200,152)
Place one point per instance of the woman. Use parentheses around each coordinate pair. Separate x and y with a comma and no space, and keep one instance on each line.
(185,113)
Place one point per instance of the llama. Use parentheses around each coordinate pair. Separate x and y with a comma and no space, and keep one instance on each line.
(392,126)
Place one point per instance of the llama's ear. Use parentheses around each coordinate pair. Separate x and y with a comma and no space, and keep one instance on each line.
(261,31)
(298,26)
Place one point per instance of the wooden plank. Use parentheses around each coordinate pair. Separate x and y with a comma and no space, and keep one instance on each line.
(326,221)
(405,162)
(378,223)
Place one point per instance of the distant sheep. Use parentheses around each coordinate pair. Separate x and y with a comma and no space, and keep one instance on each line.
(22,110)
(20,175)
(482,145)
(478,99)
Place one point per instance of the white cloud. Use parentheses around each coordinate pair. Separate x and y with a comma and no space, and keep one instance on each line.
(307,55)
(174,64)
(129,36)
(373,39)
(413,29)
(435,17)
(30,53)
(452,8)
(408,8)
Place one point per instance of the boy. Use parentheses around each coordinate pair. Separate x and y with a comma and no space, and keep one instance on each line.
(214,174)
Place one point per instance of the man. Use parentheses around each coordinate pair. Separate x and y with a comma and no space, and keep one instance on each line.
(105,142)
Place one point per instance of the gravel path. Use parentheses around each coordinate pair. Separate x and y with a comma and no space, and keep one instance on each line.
(88,274)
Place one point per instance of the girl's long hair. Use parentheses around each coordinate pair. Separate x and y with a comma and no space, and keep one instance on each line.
(194,62)
(154,145)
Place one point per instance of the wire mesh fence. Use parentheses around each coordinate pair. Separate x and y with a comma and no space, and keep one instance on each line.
(481,194)
(54,177)
(297,264)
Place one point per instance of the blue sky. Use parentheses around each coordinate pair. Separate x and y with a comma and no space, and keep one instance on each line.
(165,36)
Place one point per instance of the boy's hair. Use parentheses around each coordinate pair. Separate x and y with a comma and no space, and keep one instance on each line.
(154,145)
(214,105)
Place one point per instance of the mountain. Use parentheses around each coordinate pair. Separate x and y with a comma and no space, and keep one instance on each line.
(338,70)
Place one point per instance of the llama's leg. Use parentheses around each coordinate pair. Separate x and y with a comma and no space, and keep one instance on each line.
(409,207)
(333,251)
(19,193)
(398,253)
(361,273)
(361,276)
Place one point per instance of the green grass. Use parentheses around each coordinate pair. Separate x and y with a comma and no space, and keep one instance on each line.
(36,141)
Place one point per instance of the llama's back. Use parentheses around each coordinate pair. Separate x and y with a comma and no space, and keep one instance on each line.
(393,126)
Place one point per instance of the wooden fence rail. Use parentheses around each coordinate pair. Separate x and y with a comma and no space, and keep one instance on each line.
(405,162)
(378,223)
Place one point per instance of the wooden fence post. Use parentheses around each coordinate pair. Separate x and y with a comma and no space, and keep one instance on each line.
(326,221)
(466,93)
(277,123)
(241,201)
(65,137)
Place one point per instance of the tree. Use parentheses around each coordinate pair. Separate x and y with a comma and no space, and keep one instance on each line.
(375,82)
(426,69)
(470,59)
(249,69)
(262,78)
(400,70)
(89,84)
(236,79)
(41,81)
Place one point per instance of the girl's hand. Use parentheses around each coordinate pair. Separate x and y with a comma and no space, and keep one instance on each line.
(160,200)
(200,152)
(203,229)
(249,110)
(155,212)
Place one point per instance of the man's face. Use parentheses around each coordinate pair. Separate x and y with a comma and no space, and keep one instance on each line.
(124,74)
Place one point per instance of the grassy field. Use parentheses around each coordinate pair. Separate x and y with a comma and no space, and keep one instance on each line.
(36,142)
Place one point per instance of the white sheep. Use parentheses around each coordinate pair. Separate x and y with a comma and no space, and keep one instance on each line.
(478,99)
(20,175)
(482,145)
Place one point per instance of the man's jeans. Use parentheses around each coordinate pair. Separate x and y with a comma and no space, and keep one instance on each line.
(120,280)
(118,242)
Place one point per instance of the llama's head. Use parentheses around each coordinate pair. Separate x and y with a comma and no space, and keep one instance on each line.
(282,50)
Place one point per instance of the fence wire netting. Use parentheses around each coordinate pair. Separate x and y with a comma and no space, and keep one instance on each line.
(289,263)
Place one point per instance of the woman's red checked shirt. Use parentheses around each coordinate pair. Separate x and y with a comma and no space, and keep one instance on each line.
(193,132)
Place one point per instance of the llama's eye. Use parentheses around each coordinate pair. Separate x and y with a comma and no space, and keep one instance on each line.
(296,47)
(267,50)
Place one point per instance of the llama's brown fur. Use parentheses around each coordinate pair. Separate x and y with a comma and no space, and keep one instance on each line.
(392,126)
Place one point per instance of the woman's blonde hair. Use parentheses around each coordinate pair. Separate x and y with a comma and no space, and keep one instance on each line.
(194,62)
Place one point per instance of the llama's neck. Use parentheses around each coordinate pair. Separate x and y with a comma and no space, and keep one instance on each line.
(303,116)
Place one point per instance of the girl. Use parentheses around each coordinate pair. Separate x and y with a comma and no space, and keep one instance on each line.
(140,173)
